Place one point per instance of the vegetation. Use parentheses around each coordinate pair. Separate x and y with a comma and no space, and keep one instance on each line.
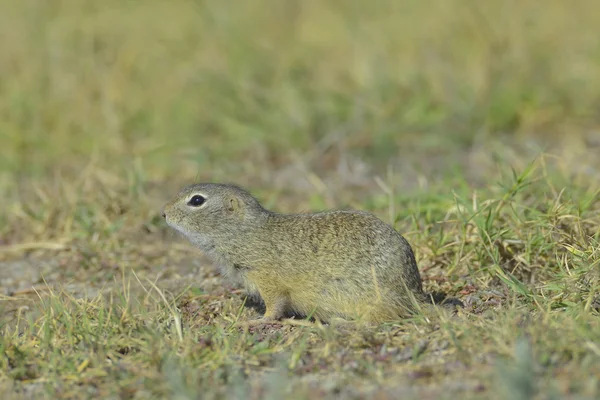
(470,126)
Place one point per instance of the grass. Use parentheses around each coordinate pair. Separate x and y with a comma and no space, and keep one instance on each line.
(469,126)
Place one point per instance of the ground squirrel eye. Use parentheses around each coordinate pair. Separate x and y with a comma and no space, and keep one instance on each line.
(196,201)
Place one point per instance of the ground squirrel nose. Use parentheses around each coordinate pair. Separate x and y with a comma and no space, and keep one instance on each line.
(164,215)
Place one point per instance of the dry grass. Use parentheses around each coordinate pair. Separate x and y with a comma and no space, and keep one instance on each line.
(471,126)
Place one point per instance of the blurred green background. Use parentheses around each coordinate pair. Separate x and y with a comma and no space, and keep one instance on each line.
(207,88)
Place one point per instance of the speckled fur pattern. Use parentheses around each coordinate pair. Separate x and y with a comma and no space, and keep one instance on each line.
(346,264)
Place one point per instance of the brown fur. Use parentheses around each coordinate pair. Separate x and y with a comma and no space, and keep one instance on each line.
(346,264)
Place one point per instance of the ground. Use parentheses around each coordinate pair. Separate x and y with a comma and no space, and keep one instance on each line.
(472,130)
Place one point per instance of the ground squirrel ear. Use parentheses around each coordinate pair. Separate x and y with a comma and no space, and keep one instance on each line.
(233,204)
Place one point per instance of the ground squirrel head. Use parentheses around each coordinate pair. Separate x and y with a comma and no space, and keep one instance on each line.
(208,211)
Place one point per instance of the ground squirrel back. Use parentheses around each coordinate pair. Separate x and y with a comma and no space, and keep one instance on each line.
(346,264)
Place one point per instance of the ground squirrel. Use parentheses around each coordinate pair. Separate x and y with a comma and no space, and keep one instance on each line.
(347,264)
